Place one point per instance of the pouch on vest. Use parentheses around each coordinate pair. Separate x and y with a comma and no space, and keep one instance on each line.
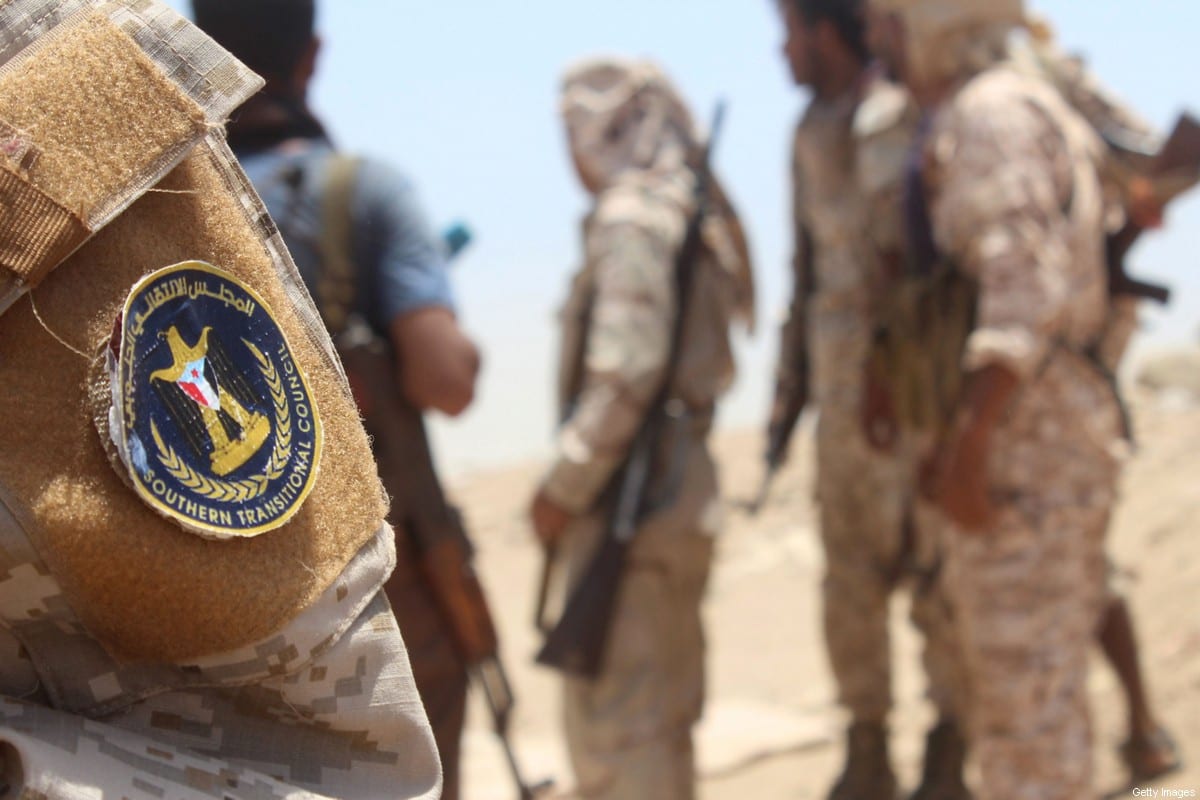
(177,438)
(918,348)
(924,322)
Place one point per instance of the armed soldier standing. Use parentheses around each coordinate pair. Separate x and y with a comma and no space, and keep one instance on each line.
(379,278)
(192,536)
(1005,208)
(635,149)
(848,168)
(1134,205)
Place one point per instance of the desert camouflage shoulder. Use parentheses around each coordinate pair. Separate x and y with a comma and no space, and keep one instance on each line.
(317,702)
(1012,170)
(622,303)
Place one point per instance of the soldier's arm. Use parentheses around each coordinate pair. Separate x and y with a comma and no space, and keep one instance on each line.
(438,362)
(999,212)
(627,351)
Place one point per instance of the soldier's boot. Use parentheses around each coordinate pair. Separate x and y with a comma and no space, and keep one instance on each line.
(945,757)
(868,772)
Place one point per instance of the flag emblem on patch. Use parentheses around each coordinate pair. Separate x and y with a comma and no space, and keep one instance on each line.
(212,416)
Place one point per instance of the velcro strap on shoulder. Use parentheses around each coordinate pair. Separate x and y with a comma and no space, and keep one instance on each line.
(94,111)
(37,232)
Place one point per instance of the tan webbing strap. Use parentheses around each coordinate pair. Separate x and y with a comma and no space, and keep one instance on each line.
(37,232)
(106,124)
(336,285)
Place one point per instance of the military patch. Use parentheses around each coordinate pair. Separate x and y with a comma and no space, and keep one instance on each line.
(211,415)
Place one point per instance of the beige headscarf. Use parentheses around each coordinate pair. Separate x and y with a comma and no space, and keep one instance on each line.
(627,125)
(955,38)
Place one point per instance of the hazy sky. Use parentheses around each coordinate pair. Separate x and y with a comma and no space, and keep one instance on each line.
(461,94)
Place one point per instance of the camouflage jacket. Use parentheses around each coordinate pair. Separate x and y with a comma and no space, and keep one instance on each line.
(617,327)
(1115,120)
(1015,202)
(848,166)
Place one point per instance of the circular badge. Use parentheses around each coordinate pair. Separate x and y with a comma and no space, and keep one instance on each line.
(211,415)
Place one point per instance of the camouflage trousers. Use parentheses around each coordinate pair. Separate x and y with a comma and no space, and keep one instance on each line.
(630,730)
(1028,593)
(876,537)
(1027,596)
(438,670)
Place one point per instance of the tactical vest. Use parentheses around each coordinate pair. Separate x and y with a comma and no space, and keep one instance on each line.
(918,344)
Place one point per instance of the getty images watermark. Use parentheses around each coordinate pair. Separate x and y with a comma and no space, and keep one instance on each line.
(1163,792)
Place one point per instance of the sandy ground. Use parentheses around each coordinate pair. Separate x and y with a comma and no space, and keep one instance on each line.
(771,729)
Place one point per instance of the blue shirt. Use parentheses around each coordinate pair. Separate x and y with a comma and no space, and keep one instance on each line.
(401,263)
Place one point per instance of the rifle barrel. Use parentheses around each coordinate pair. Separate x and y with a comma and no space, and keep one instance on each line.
(498,693)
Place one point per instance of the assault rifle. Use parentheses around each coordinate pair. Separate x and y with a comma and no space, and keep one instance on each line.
(1174,170)
(422,517)
(426,521)
(576,644)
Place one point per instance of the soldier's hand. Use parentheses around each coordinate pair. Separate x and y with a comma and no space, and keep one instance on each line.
(961,476)
(959,480)
(549,520)
(1144,206)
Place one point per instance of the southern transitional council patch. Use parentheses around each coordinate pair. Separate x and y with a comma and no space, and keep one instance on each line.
(211,414)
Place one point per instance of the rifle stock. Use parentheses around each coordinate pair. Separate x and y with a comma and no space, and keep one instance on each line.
(578,641)
(1175,170)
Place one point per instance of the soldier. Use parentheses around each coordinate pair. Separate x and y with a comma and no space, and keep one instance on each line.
(848,167)
(1150,751)
(1005,209)
(378,275)
(634,145)
(192,535)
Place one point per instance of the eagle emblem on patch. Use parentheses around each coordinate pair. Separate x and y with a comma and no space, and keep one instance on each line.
(211,415)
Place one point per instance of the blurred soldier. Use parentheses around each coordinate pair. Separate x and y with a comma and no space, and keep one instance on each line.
(378,276)
(192,536)
(1005,209)
(848,170)
(1150,751)
(634,145)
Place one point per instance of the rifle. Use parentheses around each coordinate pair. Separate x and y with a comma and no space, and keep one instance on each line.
(779,437)
(1173,171)
(419,509)
(578,641)
(779,431)
(421,513)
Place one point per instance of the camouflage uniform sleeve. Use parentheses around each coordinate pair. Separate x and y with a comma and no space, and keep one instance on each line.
(60,756)
(791,372)
(628,345)
(1001,181)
